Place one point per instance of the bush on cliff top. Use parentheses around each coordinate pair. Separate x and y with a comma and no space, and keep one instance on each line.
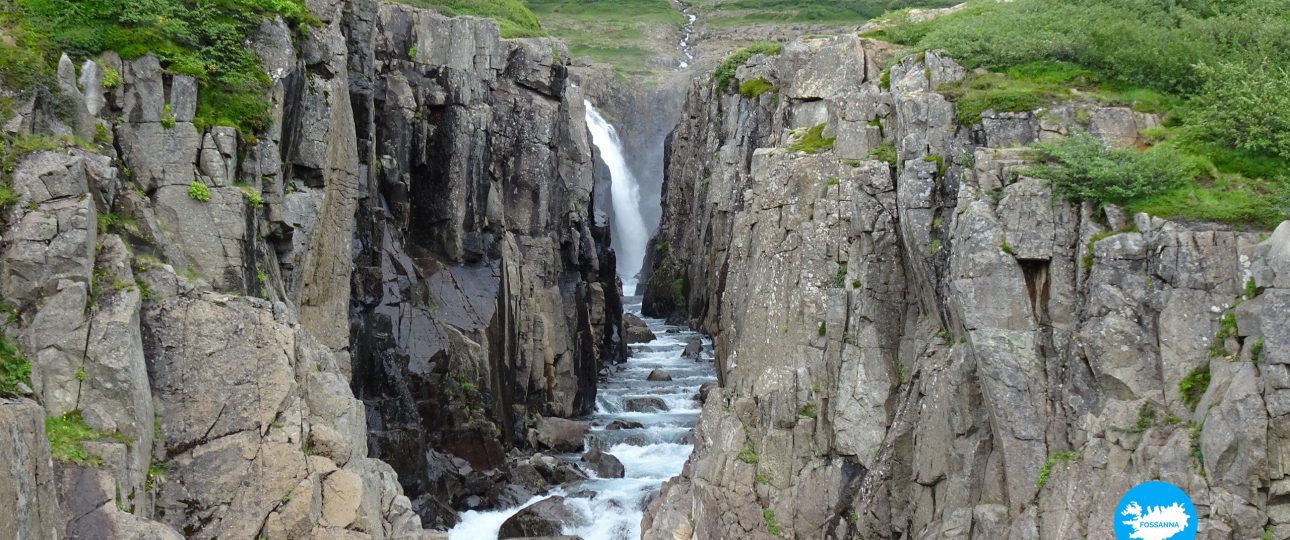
(1214,68)
(205,40)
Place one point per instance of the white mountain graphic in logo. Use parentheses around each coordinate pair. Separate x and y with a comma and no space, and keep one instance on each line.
(1158,523)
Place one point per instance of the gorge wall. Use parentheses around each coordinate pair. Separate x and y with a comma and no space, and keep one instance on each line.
(337,329)
(916,340)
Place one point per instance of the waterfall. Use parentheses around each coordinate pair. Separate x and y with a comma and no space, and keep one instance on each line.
(629,234)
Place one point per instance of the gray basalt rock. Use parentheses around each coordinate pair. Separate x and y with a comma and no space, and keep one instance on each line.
(917,344)
(29,506)
(547,517)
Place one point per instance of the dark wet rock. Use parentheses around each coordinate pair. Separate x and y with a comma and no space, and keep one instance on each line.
(547,517)
(644,404)
(623,424)
(704,390)
(693,349)
(659,375)
(636,329)
(603,464)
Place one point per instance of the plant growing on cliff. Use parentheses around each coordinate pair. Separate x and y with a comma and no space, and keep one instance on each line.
(748,455)
(1063,457)
(725,74)
(1193,386)
(807,410)
(755,88)
(67,435)
(772,525)
(812,140)
(1085,167)
(198,191)
(885,152)
(14,369)
(167,116)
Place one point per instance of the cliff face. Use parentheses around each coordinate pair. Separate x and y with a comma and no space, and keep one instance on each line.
(281,337)
(936,347)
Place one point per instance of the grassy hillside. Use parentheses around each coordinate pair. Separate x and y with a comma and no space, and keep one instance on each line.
(513,17)
(735,12)
(623,33)
(1216,69)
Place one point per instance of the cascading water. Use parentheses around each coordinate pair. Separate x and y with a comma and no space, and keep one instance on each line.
(650,454)
(629,234)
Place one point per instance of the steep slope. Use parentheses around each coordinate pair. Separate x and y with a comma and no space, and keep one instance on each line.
(915,339)
(279,336)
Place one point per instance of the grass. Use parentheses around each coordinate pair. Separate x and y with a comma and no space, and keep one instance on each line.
(748,455)
(1063,457)
(772,525)
(1193,386)
(1085,167)
(725,74)
(1214,68)
(513,17)
(14,368)
(885,152)
(825,12)
(67,435)
(755,88)
(811,141)
(807,410)
(204,40)
(621,33)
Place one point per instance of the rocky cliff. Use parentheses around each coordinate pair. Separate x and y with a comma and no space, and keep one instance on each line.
(333,329)
(916,340)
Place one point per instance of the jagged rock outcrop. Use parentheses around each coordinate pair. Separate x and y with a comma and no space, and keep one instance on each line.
(280,336)
(485,293)
(936,347)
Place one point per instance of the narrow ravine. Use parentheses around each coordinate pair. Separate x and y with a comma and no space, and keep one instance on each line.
(612,508)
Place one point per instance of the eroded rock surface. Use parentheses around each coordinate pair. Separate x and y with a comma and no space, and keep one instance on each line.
(937,348)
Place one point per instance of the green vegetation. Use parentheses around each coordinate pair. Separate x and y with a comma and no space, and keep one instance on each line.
(885,152)
(14,369)
(1214,68)
(67,435)
(821,330)
(1085,167)
(755,88)
(253,196)
(1004,247)
(198,191)
(725,74)
(203,40)
(1193,386)
(1196,452)
(167,116)
(748,455)
(827,12)
(811,141)
(839,278)
(622,33)
(513,18)
(807,410)
(1256,350)
(772,525)
(1063,457)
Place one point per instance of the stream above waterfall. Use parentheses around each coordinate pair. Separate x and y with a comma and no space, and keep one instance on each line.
(650,455)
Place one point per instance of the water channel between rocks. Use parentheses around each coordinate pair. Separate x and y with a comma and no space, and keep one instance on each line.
(650,455)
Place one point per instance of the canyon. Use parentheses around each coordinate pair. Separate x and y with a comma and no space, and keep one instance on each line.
(465,285)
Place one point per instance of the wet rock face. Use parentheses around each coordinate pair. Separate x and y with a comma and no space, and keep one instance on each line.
(484,290)
(545,518)
(906,350)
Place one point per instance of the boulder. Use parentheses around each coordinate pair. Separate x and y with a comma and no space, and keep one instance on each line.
(603,464)
(636,329)
(644,404)
(693,349)
(560,434)
(545,518)
(659,375)
(623,424)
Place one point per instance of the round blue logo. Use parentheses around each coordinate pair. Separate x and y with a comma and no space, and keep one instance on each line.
(1155,511)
